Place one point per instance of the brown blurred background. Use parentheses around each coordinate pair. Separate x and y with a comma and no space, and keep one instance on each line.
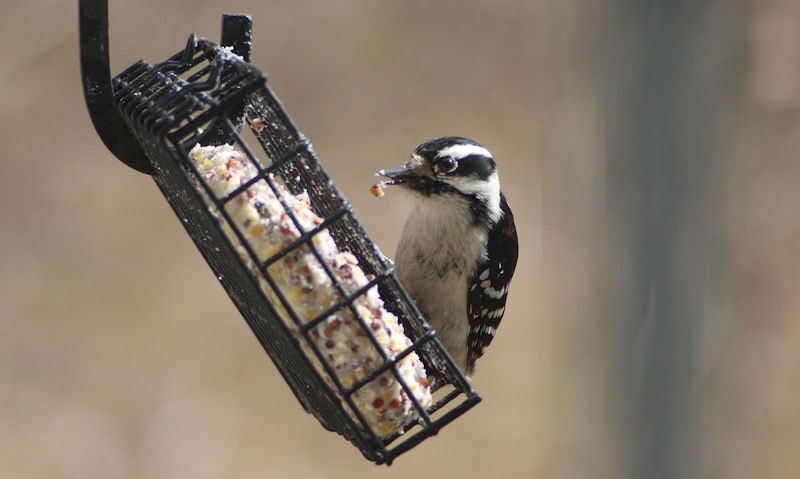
(121,357)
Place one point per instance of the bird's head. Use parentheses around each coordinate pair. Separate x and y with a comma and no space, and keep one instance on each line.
(448,166)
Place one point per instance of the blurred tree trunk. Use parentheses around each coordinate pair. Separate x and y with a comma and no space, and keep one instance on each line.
(672,69)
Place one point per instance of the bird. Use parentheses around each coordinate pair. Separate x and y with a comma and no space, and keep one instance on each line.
(458,248)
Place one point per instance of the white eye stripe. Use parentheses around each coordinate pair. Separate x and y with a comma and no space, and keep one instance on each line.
(462,151)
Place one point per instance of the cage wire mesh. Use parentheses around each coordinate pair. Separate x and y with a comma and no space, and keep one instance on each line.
(207,94)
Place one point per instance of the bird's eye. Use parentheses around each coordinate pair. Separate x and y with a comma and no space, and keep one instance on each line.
(447,165)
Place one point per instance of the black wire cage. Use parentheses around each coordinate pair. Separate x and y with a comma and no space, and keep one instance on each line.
(151,115)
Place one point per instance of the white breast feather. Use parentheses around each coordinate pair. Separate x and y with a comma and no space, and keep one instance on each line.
(440,246)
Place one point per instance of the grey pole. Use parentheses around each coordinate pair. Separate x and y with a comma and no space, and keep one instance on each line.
(672,76)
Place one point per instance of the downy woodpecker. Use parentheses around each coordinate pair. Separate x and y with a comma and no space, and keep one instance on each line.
(458,249)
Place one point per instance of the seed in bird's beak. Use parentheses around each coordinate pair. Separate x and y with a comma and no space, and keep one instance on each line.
(377,189)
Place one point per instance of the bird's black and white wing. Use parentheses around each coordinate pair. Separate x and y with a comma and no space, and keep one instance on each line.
(488,289)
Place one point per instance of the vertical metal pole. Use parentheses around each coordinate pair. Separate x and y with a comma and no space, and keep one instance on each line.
(668,95)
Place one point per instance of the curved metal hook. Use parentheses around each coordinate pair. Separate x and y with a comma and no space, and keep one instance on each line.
(96,76)
(97,89)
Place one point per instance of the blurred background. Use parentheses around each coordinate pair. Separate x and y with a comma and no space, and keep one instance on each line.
(649,153)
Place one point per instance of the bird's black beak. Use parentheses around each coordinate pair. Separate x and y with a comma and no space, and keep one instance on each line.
(405,175)
(396,176)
